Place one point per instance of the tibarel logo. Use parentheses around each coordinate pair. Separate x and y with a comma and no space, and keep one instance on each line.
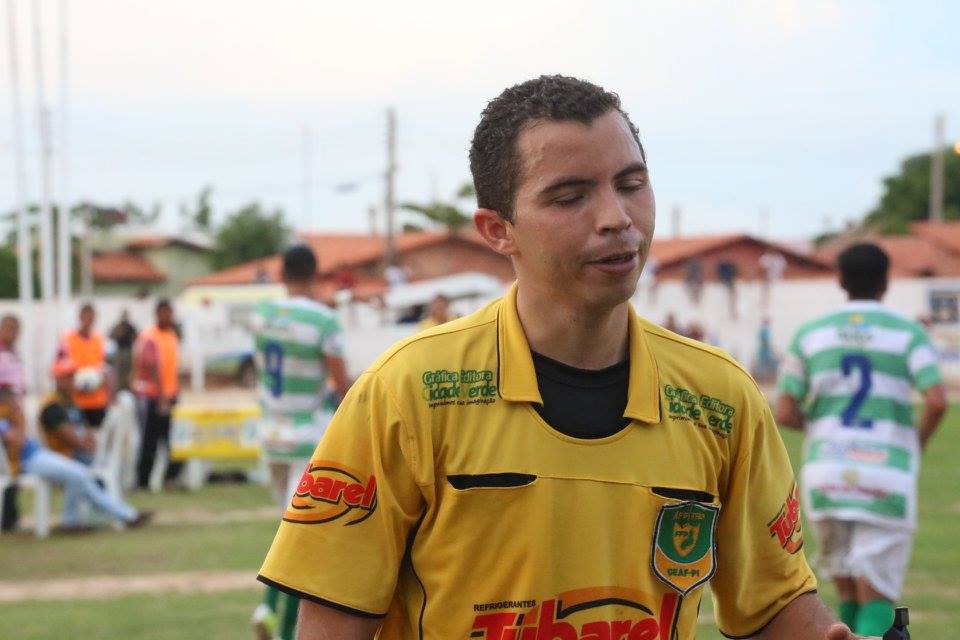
(329,491)
(584,614)
(683,551)
(786,525)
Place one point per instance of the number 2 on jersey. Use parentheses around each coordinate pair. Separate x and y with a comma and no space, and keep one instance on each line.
(848,364)
(273,368)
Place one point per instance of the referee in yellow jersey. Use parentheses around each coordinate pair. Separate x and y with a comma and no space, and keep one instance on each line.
(552,467)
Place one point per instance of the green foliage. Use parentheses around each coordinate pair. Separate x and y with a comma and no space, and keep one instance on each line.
(8,273)
(906,196)
(247,234)
(447,214)
(201,217)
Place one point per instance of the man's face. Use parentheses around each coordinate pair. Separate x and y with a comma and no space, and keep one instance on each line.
(65,384)
(439,307)
(87,317)
(9,331)
(584,211)
(165,316)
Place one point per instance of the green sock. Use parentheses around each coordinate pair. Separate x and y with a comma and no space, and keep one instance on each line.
(288,624)
(848,612)
(270,597)
(874,618)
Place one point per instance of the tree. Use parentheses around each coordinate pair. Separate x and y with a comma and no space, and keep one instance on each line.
(448,214)
(202,215)
(9,287)
(247,234)
(906,196)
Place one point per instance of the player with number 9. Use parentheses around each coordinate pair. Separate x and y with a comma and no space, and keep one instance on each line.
(854,373)
(299,356)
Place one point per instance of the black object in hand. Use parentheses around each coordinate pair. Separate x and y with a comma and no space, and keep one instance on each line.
(901,618)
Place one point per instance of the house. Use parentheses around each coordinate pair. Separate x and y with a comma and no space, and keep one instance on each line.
(149,264)
(931,250)
(356,261)
(674,255)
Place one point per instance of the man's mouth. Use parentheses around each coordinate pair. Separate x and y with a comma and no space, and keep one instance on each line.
(617,258)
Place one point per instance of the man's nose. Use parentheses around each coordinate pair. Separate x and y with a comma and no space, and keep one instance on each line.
(612,212)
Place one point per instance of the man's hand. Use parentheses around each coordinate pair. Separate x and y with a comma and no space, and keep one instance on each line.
(839,631)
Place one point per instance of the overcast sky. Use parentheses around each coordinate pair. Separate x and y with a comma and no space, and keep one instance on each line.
(796,107)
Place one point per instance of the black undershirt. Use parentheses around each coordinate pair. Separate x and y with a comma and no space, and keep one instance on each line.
(582,403)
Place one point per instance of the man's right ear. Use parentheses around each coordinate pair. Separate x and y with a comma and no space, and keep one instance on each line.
(495,231)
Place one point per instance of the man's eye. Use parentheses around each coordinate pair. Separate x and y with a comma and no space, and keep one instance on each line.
(568,200)
(633,185)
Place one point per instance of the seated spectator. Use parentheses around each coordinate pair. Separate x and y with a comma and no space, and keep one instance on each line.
(28,455)
(65,429)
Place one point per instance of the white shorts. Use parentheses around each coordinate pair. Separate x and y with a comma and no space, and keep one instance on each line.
(284,478)
(879,555)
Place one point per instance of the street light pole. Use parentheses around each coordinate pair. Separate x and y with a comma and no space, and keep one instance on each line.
(936,170)
(24,248)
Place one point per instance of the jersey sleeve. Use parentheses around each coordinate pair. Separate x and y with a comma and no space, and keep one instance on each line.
(331,339)
(793,372)
(760,562)
(343,535)
(922,362)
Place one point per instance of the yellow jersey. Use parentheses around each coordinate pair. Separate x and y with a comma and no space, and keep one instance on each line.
(439,500)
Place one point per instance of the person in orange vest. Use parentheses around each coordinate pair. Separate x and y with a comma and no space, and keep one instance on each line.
(155,361)
(86,348)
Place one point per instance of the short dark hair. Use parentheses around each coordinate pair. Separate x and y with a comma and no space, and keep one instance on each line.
(162,303)
(87,306)
(299,264)
(494,157)
(863,270)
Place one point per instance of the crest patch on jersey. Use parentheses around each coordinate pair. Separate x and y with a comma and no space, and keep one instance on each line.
(330,491)
(684,553)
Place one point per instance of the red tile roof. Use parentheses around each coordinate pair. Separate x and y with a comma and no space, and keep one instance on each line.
(156,240)
(945,235)
(334,251)
(670,251)
(124,266)
(910,256)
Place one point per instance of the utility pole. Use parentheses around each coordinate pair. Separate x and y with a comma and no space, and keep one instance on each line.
(307,157)
(388,203)
(675,221)
(24,246)
(64,261)
(372,219)
(43,121)
(936,169)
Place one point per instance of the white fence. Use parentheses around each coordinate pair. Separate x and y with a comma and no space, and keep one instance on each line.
(791,303)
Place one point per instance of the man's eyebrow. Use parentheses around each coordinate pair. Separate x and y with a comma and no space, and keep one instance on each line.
(635,167)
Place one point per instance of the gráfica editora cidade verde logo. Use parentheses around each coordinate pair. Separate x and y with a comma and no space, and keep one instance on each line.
(463,386)
(703,410)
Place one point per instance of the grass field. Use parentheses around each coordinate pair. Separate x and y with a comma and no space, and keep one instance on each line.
(932,589)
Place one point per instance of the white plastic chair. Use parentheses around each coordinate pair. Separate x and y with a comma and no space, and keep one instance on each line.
(41,494)
(114,442)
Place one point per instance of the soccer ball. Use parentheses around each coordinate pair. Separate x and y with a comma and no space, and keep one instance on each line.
(88,379)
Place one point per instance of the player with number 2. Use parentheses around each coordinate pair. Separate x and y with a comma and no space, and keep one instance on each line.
(849,381)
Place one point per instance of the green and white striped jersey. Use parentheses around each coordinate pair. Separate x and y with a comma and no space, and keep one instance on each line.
(855,372)
(292,337)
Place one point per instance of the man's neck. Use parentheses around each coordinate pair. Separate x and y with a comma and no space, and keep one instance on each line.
(574,335)
(299,291)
